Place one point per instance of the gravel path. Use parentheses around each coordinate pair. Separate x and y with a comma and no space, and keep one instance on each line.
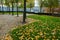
(8,22)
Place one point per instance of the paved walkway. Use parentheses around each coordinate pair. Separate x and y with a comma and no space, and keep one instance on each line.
(7,22)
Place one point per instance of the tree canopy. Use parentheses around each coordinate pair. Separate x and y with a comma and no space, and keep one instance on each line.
(9,2)
(50,3)
(45,3)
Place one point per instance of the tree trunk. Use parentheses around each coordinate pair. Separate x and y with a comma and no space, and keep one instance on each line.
(24,14)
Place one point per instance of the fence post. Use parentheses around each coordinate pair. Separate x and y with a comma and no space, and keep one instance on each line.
(24,14)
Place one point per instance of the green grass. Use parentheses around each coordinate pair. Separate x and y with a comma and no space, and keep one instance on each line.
(15,13)
(47,27)
(45,18)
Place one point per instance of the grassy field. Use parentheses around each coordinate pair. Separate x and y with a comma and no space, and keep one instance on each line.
(46,28)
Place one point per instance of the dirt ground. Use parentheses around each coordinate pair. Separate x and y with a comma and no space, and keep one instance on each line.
(7,22)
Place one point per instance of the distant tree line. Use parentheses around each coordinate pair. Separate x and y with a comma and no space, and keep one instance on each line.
(51,4)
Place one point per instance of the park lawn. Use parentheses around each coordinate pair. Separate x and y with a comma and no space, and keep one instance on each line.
(14,13)
(47,27)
